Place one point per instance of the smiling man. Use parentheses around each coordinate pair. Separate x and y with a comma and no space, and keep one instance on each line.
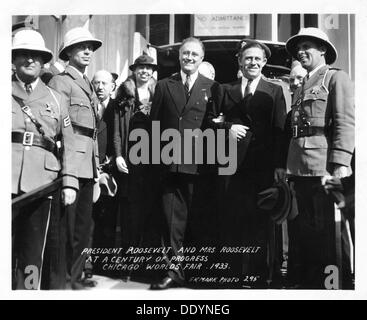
(181,102)
(322,122)
(76,89)
(255,112)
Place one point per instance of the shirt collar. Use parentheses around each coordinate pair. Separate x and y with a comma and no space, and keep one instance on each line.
(105,102)
(81,74)
(33,84)
(311,73)
(193,77)
(253,84)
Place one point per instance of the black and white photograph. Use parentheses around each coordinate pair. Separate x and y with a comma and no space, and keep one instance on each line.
(202,152)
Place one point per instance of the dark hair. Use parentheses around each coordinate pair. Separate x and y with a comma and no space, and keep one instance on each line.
(193,39)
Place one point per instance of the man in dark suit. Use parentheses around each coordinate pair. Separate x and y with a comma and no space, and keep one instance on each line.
(322,122)
(255,112)
(78,92)
(105,209)
(181,102)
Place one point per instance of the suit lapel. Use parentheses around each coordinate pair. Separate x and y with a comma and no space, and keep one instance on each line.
(235,92)
(177,92)
(18,91)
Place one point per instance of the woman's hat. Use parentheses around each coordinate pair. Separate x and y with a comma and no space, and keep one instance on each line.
(312,34)
(31,40)
(144,60)
(77,35)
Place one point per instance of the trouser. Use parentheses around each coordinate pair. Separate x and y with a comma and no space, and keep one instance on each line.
(54,266)
(187,201)
(29,239)
(243,224)
(79,222)
(311,234)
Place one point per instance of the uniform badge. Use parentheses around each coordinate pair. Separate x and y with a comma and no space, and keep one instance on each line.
(315,90)
(49,107)
(67,122)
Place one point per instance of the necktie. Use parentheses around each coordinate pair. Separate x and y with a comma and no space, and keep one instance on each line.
(247,89)
(28,88)
(187,84)
(101,109)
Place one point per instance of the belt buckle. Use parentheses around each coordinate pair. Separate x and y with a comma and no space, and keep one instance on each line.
(94,134)
(28,138)
(295,131)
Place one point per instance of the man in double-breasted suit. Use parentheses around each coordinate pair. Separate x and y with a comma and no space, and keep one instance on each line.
(255,112)
(181,102)
(39,119)
(79,94)
(322,123)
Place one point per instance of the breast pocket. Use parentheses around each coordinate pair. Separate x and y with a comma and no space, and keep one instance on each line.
(80,112)
(315,103)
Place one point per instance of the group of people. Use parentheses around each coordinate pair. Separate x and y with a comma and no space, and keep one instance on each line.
(72,128)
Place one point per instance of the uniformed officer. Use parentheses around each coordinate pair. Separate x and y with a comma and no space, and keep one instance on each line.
(322,144)
(39,119)
(75,87)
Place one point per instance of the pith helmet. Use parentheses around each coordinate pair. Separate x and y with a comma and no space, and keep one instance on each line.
(31,40)
(312,34)
(77,35)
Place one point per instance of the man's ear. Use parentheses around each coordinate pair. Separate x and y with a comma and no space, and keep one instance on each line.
(323,49)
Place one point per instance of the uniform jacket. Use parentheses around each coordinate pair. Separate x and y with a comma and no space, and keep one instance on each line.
(329,106)
(169,106)
(264,113)
(82,103)
(33,166)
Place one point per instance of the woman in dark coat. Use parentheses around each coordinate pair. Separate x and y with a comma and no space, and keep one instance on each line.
(134,98)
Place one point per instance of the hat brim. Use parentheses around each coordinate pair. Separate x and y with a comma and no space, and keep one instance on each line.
(95,42)
(291,46)
(280,212)
(153,66)
(45,54)
(250,43)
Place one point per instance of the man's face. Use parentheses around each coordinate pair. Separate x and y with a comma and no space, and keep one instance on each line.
(252,62)
(310,54)
(80,55)
(191,55)
(28,65)
(103,84)
(296,77)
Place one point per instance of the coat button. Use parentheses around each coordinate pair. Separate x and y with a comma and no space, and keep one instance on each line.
(27,148)
(27,120)
(180,118)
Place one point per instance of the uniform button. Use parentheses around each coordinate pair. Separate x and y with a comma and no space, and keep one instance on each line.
(180,118)
(27,148)
(27,120)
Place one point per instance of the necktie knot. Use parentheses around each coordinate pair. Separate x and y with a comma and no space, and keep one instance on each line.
(188,83)
(248,88)
(28,88)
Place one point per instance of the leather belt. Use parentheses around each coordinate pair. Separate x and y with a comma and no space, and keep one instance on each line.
(30,139)
(84,131)
(307,131)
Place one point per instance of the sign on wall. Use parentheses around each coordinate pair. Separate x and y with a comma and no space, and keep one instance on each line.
(221,24)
